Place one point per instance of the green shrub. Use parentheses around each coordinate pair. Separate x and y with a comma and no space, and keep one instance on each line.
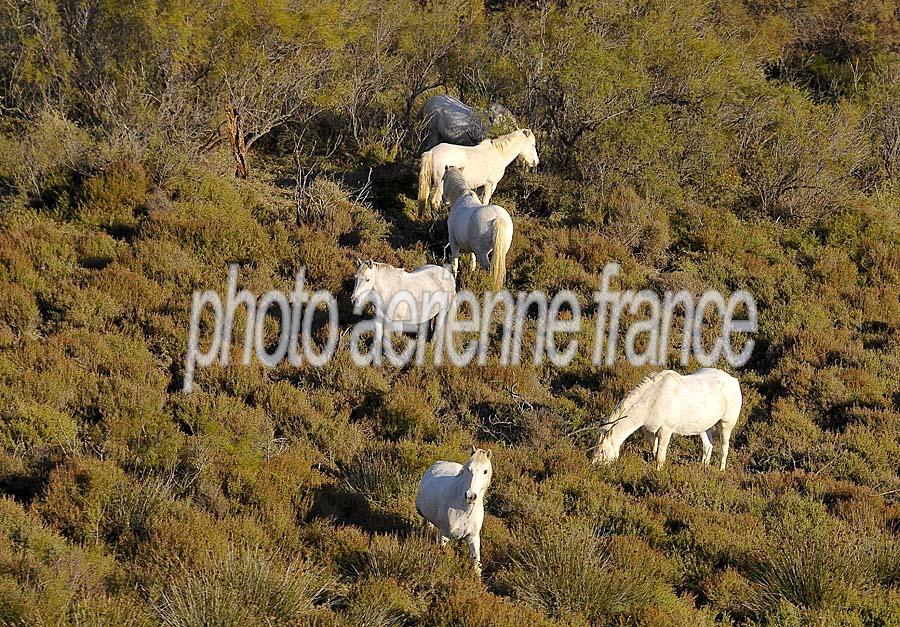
(44,579)
(382,603)
(416,562)
(568,572)
(811,569)
(244,586)
(38,424)
(467,603)
(375,474)
(19,315)
(45,159)
(405,412)
(110,200)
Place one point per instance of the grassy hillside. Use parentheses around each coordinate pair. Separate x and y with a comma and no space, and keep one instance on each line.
(728,145)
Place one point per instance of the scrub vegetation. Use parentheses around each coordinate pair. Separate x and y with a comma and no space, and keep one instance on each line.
(703,145)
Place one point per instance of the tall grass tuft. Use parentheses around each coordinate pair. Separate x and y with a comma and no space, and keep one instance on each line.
(245,587)
(416,561)
(376,475)
(815,571)
(567,571)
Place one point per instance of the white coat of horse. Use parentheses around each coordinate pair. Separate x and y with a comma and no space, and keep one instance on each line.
(485,231)
(404,300)
(451,498)
(484,165)
(706,403)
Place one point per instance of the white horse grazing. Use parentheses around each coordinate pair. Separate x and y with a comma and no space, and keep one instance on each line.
(429,289)
(484,230)
(667,403)
(451,498)
(484,165)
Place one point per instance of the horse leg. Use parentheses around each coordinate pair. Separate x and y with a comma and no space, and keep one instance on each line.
(707,446)
(440,319)
(651,440)
(472,262)
(725,436)
(488,192)
(454,255)
(378,339)
(662,439)
(484,259)
(475,551)
(437,195)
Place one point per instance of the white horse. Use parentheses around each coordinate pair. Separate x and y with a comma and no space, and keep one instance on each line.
(428,290)
(451,498)
(484,230)
(484,165)
(668,403)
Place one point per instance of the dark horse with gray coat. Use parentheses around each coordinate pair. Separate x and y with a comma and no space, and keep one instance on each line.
(450,121)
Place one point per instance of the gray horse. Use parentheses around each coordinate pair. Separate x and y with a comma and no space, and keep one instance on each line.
(450,121)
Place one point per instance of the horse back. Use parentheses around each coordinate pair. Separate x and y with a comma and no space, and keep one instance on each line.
(444,469)
(709,394)
(453,121)
(436,489)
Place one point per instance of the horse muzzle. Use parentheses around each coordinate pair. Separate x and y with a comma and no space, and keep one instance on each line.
(471,497)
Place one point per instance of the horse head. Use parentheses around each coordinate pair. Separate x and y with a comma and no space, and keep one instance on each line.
(454,183)
(479,471)
(365,279)
(529,149)
(606,451)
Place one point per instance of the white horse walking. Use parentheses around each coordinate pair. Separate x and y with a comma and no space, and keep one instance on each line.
(485,231)
(404,300)
(667,403)
(484,165)
(451,498)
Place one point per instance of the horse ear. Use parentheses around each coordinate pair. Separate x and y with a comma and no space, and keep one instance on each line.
(490,453)
(528,132)
(473,449)
(359,262)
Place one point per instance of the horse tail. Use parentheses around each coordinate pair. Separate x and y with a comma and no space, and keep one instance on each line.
(425,168)
(502,240)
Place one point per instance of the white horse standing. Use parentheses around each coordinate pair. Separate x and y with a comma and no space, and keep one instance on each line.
(430,289)
(451,498)
(484,165)
(485,231)
(668,403)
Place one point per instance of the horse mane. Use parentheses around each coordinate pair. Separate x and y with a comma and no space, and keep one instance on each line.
(478,455)
(375,264)
(621,409)
(500,143)
(456,182)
